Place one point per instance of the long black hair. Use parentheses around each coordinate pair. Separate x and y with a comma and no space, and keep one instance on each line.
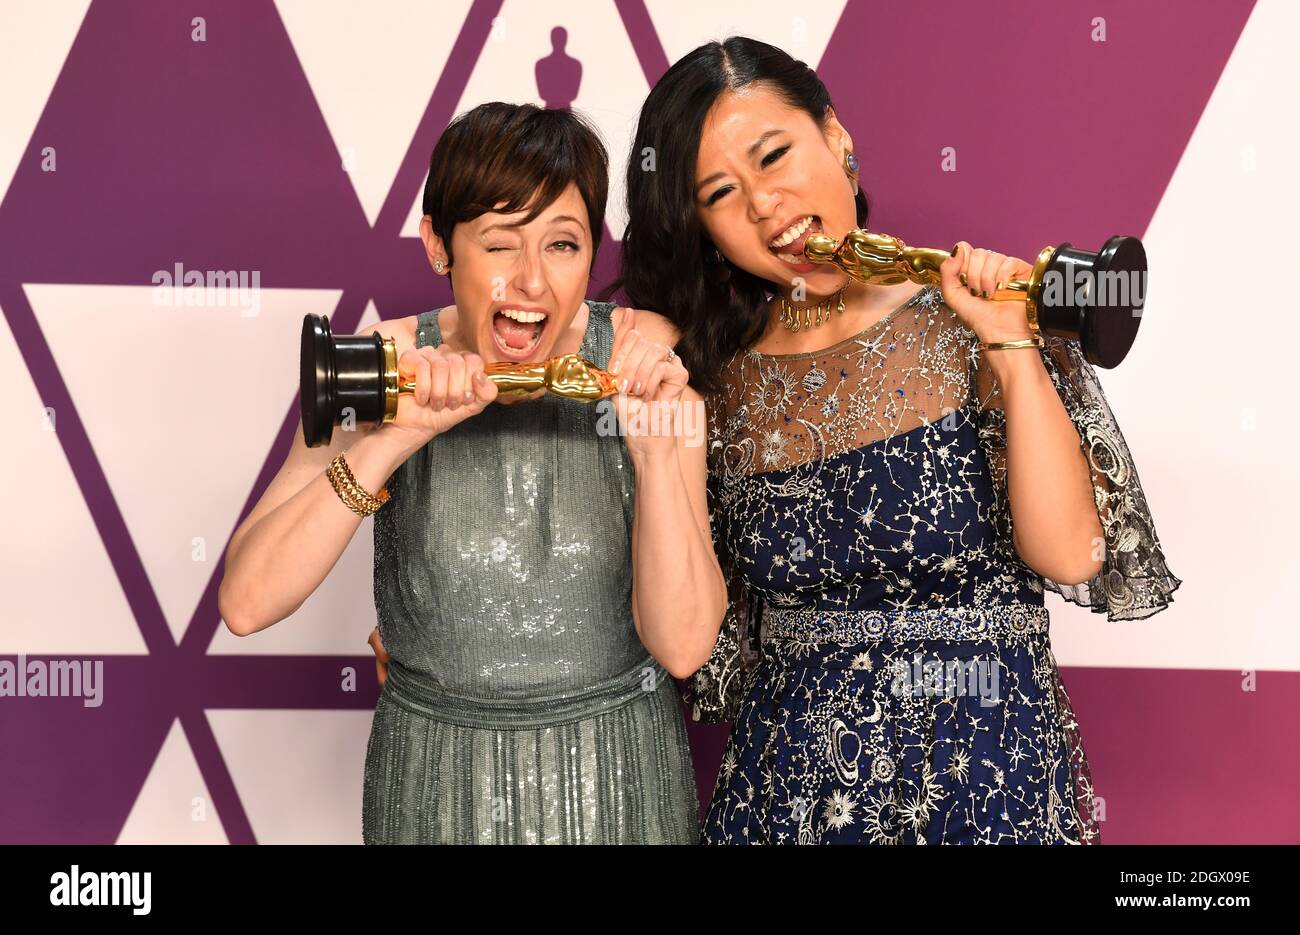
(669,264)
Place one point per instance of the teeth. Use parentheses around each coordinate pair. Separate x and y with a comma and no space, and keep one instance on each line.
(792,232)
(525,317)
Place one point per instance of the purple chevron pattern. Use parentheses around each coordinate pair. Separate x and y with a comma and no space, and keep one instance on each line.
(232,152)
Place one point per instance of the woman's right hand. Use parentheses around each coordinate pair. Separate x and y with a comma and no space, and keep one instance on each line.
(450,386)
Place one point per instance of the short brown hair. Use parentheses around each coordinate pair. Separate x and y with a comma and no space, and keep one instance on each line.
(521,154)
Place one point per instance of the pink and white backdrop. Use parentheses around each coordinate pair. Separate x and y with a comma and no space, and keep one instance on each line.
(288,140)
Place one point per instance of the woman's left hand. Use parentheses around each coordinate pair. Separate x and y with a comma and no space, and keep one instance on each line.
(381,656)
(969,277)
(651,378)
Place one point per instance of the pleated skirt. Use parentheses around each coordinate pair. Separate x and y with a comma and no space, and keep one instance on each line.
(623,776)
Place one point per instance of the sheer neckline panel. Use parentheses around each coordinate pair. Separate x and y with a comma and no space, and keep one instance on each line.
(913,368)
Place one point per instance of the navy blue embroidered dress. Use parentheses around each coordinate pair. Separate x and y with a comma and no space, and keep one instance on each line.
(885,657)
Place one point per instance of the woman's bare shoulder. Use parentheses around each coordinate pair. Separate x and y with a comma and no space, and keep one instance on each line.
(395,328)
(402,330)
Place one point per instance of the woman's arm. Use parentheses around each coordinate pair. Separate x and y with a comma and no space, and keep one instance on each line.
(678,593)
(284,549)
(299,528)
(1055,526)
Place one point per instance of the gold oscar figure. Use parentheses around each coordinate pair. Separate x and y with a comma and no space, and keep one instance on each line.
(879,259)
(568,375)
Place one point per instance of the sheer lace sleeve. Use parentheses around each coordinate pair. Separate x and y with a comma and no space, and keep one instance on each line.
(1134,581)
(715,690)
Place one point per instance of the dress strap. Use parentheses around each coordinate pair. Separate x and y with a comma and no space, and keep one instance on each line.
(598,342)
(427,332)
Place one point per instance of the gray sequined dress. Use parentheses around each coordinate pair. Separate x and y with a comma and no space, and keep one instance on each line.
(520,705)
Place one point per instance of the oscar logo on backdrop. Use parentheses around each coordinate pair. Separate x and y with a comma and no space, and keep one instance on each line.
(558,74)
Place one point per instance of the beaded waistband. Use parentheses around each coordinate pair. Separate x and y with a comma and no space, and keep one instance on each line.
(417,692)
(996,621)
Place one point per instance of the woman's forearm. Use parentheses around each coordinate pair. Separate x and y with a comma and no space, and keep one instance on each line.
(275,564)
(677,588)
(1053,512)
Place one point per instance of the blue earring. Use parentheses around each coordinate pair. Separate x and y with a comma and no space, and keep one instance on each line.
(851,163)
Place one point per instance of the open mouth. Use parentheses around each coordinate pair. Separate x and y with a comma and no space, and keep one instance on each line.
(518,332)
(788,245)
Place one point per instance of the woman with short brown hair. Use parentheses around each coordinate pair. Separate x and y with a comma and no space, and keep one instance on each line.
(539,580)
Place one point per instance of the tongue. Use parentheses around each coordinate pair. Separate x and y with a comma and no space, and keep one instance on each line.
(516,334)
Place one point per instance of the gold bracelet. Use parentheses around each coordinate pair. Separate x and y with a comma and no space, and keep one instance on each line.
(362,503)
(345,492)
(1035,341)
(353,495)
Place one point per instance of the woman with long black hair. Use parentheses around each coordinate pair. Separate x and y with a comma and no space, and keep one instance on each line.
(894,478)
